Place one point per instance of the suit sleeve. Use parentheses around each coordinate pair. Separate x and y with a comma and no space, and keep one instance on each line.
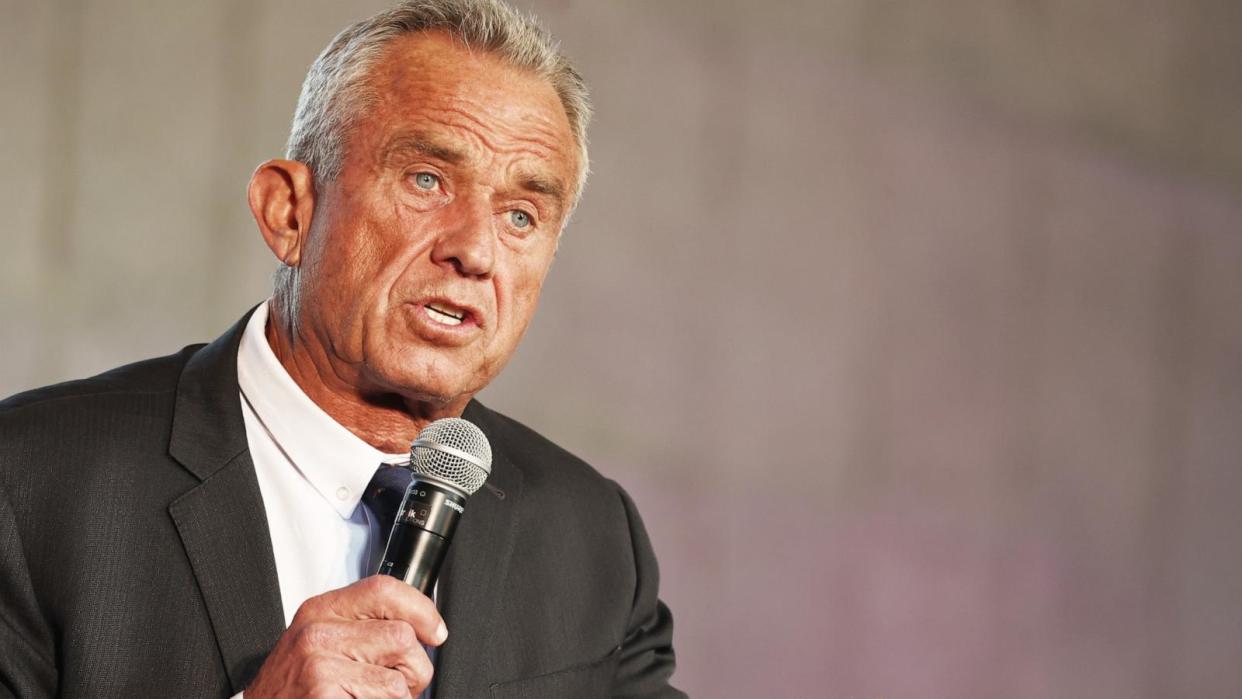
(647,660)
(27,667)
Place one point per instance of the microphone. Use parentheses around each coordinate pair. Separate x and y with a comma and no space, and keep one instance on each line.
(450,459)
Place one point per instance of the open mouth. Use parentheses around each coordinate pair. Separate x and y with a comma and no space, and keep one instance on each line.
(445,314)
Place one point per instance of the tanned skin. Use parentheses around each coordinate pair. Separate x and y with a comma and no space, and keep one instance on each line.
(423,211)
(418,270)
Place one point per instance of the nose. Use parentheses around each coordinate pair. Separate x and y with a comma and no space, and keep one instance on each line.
(468,240)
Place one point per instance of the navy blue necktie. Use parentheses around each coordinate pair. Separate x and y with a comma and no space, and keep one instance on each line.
(384,493)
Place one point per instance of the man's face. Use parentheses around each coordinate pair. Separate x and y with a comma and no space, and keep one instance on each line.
(426,255)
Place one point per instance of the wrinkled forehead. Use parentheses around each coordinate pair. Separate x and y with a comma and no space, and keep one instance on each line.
(429,80)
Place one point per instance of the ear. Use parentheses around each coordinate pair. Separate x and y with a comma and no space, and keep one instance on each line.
(282,199)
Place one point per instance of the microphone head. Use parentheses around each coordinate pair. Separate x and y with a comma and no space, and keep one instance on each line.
(453,451)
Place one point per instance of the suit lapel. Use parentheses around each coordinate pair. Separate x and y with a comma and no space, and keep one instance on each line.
(221,521)
(224,530)
(477,562)
(223,527)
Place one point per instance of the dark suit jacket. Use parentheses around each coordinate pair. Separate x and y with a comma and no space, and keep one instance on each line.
(135,558)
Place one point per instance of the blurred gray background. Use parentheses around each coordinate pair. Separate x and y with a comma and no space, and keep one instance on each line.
(913,327)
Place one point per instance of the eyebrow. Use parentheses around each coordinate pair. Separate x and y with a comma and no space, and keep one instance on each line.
(543,185)
(423,146)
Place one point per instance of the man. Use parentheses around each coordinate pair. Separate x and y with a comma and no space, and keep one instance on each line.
(194,525)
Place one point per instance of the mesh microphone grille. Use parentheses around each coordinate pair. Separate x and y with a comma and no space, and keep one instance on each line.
(432,453)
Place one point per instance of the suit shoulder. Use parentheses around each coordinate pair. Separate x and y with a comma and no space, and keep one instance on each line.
(541,460)
(89,430)
(146,377)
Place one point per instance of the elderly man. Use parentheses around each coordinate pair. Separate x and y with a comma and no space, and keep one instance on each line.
(196,524)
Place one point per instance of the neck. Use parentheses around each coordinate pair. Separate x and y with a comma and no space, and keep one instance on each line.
(385,420)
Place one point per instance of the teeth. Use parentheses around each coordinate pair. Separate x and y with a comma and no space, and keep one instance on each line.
(444,315)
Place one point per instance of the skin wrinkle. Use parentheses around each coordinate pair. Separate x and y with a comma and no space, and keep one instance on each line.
(540,131)
(380,247)
(477,129)
(527,183)
(480,131)
(421,142)
(405,150)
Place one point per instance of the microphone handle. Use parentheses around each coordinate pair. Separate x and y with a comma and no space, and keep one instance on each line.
(414,555)
(421,534)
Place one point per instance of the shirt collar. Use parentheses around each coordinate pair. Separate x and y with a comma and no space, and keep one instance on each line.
(335,461)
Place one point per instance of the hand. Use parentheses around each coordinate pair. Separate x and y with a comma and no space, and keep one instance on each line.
(359,641)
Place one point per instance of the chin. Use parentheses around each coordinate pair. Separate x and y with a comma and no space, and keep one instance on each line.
(424,387)
(425,375)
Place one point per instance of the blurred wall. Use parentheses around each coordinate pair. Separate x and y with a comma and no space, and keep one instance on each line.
(913,327)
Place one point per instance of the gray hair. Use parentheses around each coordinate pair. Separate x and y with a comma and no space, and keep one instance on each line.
(336,91)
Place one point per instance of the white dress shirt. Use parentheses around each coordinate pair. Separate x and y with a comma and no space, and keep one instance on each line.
(312,472)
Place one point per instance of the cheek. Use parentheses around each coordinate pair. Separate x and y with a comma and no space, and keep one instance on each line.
(366,258)
(524,297)
(527,296)
(348,267)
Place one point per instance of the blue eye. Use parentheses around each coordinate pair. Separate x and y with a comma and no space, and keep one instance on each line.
(426,180)
(520,219)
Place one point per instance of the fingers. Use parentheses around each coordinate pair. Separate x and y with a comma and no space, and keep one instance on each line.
(342,677)
(364,640)
(292,673)
(378,642)
(381,597)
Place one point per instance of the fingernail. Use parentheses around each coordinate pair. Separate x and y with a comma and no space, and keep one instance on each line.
(441,633)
